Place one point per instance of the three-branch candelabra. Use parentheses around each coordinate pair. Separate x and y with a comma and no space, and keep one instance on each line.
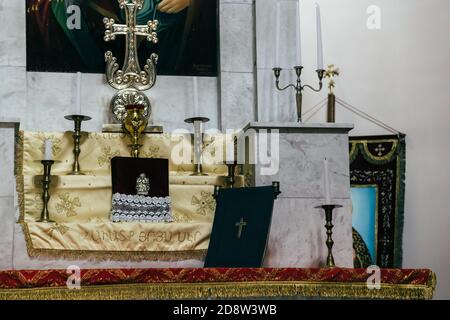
(298,87)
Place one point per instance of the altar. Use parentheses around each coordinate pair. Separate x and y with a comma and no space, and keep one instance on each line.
(297,153)
(124,123)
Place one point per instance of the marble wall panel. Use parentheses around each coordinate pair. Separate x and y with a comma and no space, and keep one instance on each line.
(297,235)
(12,37)
(13,92)
(6,232)
(301,169)
(6,161)
(237,37)
(238,100)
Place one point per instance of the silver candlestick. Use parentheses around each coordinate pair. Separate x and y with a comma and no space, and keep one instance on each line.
(198,143)
(299,87)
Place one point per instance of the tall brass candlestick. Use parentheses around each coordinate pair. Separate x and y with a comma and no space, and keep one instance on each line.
(46,180)
(77,119)
(328,208)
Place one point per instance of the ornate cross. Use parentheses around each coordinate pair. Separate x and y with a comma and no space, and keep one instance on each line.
(240,225)
(131,74)
(331,72)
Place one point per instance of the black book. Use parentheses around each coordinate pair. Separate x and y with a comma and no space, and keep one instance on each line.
(241,228)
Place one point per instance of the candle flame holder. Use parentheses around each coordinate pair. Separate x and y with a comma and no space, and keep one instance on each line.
(77,119)
(46,180)
(298,87)
(329,208)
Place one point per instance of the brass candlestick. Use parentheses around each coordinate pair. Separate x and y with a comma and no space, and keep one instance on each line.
(231,165)
(45,216)
(299,87)
(328,208)
(198,143)
(231,174)
(77,119)
(135,123)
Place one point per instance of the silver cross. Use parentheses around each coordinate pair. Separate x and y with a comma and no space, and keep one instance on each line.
(131,74)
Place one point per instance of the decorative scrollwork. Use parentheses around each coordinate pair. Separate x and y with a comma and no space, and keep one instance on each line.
(131,75)
(129,97)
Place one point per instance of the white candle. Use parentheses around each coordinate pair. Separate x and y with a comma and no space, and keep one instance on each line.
(319,39)
(195,85)
(299,35)
(277,36)
(198,142)
(230,151)
(48,149)
(78,97)
(327,182)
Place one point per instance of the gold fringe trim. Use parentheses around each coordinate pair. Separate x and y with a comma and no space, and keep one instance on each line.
(18,169)
(92,255)
(18,163)
(20,189)
(224,290)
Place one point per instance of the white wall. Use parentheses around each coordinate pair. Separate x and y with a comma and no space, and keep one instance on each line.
(398,74)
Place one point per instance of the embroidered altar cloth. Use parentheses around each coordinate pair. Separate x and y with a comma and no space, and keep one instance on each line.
(81,205)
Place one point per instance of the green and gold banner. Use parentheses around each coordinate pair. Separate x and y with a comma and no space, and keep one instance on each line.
(377,176)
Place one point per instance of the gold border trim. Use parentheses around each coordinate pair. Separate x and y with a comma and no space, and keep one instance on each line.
(226,290)
(20,184)
(382,158)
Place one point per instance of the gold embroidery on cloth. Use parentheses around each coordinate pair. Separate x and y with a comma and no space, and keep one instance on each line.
(88,233)
(68,205)
(151,152)
(62,229)
(204,203)
(106,156)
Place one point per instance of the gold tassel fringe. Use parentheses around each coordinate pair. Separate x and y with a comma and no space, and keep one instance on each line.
(224,290)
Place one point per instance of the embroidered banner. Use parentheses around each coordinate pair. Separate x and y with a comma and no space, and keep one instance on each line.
(377,176)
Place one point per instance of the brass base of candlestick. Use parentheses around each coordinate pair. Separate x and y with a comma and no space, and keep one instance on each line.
(328,208)
(198,171)
(45,216)
(77,119)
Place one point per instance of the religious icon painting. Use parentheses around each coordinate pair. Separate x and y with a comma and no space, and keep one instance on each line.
(68,35)
(377,176)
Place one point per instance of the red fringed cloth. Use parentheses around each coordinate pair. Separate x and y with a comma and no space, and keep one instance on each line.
(217,283)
